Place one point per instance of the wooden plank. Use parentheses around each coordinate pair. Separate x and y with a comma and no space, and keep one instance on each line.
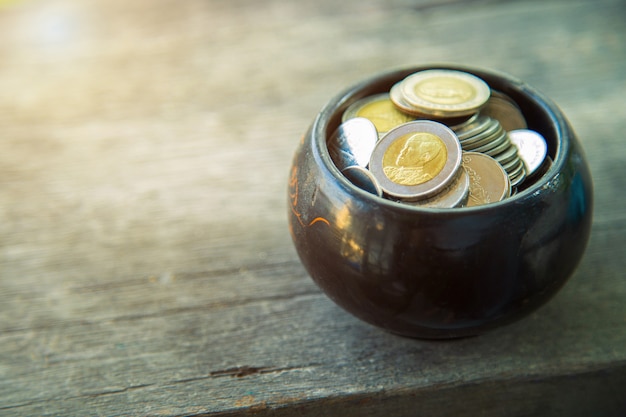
(145,262)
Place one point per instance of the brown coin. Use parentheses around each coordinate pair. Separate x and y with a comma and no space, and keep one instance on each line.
(502,108)
(489,183)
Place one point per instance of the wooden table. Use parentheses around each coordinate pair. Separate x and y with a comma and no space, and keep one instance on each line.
(145,262)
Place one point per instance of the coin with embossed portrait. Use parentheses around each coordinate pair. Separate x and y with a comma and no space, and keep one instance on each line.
(445,93)
(380,110)
(489,183)
(416,160)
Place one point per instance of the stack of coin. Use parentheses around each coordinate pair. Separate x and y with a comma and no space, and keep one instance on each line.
(443,139)
(486,135)
(440,94)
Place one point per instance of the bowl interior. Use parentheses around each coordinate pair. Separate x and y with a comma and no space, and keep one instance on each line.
(540,113)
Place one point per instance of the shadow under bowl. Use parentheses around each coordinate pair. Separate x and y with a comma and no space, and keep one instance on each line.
(441,273)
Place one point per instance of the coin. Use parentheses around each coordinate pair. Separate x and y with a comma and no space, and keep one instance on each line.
(445,93)
(502,108)
(532,148)
(416,160)
(517,174)
(380,110)
(547,164)
(352,143)
(455,195)
(493,132)
(473,127)
(489,182)
(362,178)
(507,156)
(396,97)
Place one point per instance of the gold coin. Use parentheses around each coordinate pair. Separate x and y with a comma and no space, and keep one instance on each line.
(414,158)
(380,110)
(445,92)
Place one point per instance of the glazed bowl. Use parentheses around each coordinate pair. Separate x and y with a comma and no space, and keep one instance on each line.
(440,273)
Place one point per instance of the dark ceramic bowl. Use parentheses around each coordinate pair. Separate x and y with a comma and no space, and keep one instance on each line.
(441,273)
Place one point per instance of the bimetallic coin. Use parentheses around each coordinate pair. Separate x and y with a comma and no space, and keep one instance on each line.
(455,195)
(396,97)
(416,160)
(352,143)
(502,108)
(379,110)
(489,183)
(532,148)
(445,93)
(362,178)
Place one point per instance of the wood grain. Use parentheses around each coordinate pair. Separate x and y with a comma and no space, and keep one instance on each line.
(145,262)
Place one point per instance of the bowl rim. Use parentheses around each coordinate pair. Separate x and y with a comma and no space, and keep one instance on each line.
(319,130)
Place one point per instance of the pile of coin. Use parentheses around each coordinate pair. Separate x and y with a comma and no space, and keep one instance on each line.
(438,138)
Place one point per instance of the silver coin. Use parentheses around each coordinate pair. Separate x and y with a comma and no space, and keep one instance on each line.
(507,156)
(497,138)
(474,126)
(416,160)
(352,143)
(363,178)
(518,180)
(531,146)
(493,129)
(512,164)
(517,174)
(455,195)
(502,147)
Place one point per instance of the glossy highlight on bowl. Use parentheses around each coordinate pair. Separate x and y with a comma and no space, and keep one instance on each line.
(440,273)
